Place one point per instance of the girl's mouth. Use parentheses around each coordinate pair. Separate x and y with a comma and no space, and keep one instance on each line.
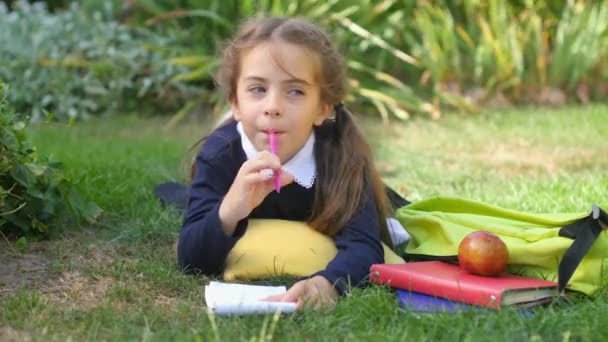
(277,134)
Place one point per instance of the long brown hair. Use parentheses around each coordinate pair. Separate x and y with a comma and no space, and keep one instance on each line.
(345,168)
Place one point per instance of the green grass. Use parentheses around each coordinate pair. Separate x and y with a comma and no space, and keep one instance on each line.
(118,279)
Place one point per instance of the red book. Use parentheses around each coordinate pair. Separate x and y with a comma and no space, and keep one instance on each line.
(439,279)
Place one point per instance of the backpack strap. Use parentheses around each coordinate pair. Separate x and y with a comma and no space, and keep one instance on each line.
(584,232)
(396,200)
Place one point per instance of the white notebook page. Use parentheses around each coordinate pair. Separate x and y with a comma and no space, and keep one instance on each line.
(224,298)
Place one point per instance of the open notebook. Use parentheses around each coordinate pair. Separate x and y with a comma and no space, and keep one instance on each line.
(240,299)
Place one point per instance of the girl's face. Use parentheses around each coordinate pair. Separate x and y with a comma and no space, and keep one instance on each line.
(278,90)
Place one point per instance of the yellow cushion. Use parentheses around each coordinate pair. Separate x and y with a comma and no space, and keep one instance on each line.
(283,248)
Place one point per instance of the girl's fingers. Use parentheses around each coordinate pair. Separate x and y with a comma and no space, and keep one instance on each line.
(292,295)
(264,160)
(267,176)
(324,302)
(285,298)
(275,298)
(299,305)
(258,177)
(305,294)
(295,293)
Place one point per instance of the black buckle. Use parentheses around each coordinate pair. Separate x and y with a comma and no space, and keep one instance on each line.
(584,232)
(598,214)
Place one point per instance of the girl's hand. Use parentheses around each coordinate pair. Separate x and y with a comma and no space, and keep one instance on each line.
(249,189)
(316,292)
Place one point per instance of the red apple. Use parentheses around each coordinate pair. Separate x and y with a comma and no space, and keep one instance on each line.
(483,253)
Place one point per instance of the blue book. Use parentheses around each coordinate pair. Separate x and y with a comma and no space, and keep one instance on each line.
(418,302)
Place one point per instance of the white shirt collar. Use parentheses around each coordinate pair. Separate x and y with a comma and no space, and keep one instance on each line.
(301,166)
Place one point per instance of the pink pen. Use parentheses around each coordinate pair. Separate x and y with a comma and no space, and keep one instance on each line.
(273,148)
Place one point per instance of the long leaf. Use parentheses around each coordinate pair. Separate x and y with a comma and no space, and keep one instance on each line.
(382,110)
(379,75)
(392,103)
(191,61)
(360,31)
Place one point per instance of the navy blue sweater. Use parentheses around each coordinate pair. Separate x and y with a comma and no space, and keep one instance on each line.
(203,245)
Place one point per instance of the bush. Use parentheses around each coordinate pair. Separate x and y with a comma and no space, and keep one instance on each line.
(74,66)
(423,56)
(403,57)
(32,190)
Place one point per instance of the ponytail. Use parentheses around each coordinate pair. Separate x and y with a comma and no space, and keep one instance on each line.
(345,176)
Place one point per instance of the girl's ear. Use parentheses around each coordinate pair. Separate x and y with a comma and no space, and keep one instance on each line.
(324,114)
(234,107)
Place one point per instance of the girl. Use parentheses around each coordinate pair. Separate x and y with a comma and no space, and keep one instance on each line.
(284,76)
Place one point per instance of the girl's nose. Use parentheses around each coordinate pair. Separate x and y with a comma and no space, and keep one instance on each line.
(272,104)
(272,112)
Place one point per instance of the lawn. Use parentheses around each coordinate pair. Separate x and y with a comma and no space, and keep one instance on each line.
(118,280)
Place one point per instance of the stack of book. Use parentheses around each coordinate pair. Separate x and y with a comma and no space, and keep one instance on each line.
(439,286)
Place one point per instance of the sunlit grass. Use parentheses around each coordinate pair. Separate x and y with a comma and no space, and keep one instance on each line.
(118,279)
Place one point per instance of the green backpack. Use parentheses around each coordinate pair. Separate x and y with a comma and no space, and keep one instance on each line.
(568,248)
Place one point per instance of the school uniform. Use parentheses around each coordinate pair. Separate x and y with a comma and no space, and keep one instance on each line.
(203,245)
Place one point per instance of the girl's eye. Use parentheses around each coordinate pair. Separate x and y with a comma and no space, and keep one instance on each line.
(257,89)
(297,92)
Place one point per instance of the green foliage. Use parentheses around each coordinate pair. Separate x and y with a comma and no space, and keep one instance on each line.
(580,44)
(373,57)
(75,66)
(32,190)
(514,49)
(404,57)
(416,57)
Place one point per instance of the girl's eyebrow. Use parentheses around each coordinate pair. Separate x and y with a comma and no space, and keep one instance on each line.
(297,80)
(255,79)
(290,80)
